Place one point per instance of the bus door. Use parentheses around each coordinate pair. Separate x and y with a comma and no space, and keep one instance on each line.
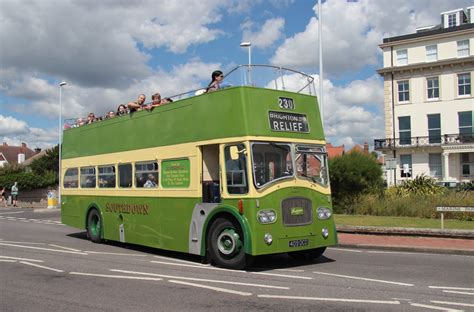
(235,166)
(210,174)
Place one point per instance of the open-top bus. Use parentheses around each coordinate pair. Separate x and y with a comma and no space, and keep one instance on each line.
(226,175)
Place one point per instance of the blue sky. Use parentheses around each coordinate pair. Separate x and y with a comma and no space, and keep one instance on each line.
(109,51)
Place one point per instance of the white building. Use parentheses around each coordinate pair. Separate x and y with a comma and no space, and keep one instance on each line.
(429,100)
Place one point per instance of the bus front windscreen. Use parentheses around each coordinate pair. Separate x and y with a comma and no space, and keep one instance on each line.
(271,162)
(311,163)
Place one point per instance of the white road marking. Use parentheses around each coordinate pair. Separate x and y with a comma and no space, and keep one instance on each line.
(343,249)
(364,279)
(454,303)
(207,267)
(283,275)
(67,248)
(46,249)
(458,292)
(229,291)
(330,299)
(20,218)
(434,307)
(201,279)
(25,221)
(289,270)
(7,260)
(113,253)
(17,242)
(11,212)
(23,259)
(41,266)
(451,288)
(118,276)
(179,260)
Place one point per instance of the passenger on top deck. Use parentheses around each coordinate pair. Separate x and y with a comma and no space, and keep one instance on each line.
(110,115)
(90,118)
(166,100)
(121,110)
(138,104)
(217,77)
(155,101)
(79,122)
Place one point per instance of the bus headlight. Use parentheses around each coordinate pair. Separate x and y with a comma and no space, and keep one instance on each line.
(266,216)
(324,213)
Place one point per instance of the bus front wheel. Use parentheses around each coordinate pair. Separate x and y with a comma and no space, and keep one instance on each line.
(94,226)
(225,243)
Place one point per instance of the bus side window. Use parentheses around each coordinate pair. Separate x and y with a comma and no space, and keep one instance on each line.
(236,171)
(125,175)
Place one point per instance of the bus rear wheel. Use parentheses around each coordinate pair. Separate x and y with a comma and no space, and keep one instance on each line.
(94,226)
(307,255)
(225,243)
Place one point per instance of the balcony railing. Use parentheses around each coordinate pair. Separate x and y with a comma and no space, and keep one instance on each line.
(446,139)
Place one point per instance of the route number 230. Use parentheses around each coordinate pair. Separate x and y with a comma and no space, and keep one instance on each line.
(286,103)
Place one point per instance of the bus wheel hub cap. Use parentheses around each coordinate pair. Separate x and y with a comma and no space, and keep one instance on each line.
(228,242)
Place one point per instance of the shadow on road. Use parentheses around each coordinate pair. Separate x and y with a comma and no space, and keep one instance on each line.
(260,264)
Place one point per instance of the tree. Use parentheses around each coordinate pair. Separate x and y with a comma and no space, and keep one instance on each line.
(352,175)
(48,163)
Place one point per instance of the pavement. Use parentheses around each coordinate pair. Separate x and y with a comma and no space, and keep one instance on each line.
(388,238)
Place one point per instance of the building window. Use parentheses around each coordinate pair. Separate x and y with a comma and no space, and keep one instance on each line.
(405,164)
(403,91)
(146,174)
(464,84)
(466,131)
(88,177)
(467,165)
(404,130)
(402,57)
(434,163)
(463,48)
(125,175)
(431,53)
(452,20)
(433,88)
(107,176)
(434,128)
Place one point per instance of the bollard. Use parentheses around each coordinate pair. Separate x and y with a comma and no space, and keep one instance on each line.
(52,200)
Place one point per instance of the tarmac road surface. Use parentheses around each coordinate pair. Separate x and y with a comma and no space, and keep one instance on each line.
(45,265)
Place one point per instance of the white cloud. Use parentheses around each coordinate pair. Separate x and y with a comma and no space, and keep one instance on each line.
(352,31)
(10,125)
(14,132)
(270,32)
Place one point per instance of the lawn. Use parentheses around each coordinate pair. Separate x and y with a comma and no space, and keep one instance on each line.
(357,220)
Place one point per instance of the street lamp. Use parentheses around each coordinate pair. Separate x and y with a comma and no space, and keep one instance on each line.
(61,85)
(248,45)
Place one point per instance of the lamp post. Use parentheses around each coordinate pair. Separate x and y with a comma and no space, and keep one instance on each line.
(249,46)
(61,85)
(320,28)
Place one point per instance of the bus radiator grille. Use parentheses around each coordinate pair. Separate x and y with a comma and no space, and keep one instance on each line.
(297,211)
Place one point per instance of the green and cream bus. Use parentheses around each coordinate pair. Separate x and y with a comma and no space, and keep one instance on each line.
(227,175)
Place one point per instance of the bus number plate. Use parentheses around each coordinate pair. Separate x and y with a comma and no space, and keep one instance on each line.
(298,242)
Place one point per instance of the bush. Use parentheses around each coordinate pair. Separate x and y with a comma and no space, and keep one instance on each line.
(26,180)
(351,176)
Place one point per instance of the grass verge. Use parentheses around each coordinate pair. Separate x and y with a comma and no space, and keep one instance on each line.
(405,222)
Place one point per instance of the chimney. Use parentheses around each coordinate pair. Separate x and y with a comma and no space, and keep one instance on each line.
(366,148)
(37,150)
(5,144)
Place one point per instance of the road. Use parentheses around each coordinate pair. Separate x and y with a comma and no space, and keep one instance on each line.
(49,266)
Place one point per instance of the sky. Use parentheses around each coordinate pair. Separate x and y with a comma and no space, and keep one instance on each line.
(109,51)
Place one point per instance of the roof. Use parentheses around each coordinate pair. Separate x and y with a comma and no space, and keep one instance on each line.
(429,33)
(36,156)
(335,151)
(10,153)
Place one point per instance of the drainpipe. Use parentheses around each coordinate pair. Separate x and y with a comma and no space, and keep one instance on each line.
(393,117)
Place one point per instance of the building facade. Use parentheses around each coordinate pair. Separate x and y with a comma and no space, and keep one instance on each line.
(429,101)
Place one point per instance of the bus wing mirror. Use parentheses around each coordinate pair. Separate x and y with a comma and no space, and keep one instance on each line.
(234,153)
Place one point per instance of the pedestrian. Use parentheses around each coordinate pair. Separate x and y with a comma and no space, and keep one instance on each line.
(15,194)
(3,194)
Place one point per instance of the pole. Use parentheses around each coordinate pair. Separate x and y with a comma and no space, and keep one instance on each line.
(321,110)
(250,64)
(60,139)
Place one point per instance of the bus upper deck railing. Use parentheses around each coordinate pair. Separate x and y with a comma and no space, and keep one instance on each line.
(260,76)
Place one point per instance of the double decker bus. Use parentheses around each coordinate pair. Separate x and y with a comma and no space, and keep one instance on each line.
(227,175)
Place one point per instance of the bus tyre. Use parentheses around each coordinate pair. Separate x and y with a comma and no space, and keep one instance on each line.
(94,226)
(226,244)
(307,255)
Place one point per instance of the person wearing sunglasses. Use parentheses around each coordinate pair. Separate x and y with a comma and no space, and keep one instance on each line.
(217,77)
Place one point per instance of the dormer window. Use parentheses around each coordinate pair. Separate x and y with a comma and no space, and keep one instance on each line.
(452,20)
